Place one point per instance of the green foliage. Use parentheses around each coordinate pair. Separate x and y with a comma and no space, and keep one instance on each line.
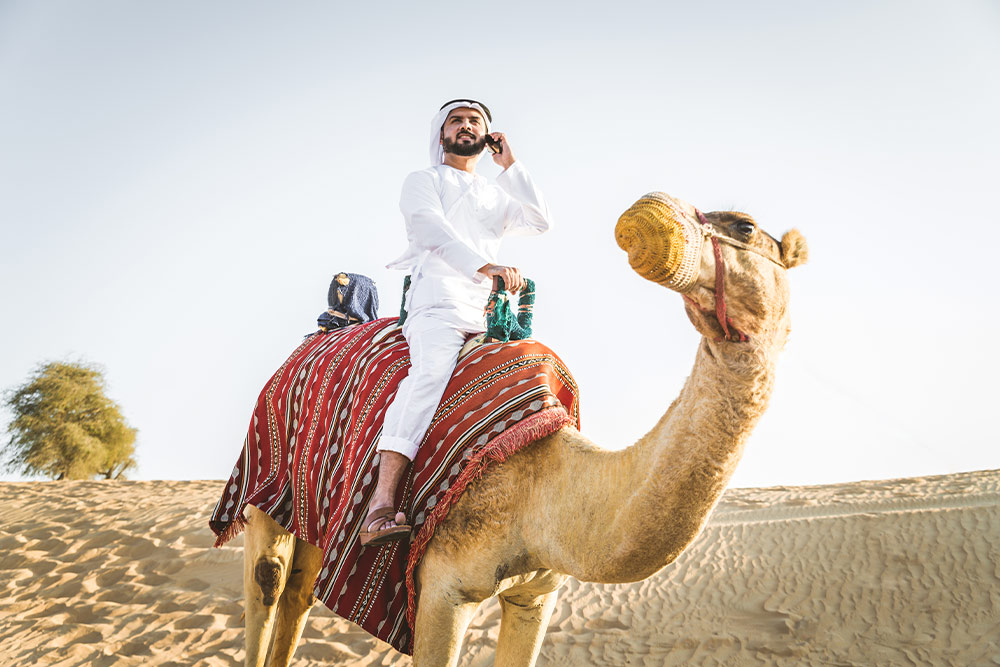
(64,426)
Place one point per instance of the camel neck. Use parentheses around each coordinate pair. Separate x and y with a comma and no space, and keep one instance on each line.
(679,470)
(705,428)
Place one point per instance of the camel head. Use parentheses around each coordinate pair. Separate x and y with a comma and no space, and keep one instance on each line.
(671,243)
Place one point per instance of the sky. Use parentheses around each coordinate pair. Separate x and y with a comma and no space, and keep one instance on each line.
(180,181)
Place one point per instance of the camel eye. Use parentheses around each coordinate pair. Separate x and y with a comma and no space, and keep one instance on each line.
(744,228)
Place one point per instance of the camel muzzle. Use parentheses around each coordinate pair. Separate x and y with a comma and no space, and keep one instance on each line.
(663,239)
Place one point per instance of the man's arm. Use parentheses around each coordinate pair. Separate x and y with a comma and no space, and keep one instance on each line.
(526,212)
(430,230)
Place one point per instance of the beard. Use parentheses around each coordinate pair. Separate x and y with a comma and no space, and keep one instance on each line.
(463,150)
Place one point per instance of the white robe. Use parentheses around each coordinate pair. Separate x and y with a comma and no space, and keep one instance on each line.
(455,222)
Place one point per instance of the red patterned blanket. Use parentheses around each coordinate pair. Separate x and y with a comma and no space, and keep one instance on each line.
(309,459)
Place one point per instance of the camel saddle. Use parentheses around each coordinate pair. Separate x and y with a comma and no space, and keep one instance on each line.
(309,458)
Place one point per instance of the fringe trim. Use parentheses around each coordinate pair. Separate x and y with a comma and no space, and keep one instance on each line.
(235,527)
(498,450)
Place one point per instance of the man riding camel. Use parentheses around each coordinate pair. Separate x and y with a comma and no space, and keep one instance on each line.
(455,221)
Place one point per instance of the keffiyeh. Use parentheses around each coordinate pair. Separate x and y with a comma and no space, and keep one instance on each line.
(437,151)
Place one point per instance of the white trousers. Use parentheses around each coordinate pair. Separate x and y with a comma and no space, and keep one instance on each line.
(435,339)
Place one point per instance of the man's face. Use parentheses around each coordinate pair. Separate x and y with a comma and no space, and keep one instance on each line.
(464,132)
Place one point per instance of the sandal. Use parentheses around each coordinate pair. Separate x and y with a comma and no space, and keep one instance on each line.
(372,538)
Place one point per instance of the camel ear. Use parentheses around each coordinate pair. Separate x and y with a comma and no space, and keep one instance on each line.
(794,250)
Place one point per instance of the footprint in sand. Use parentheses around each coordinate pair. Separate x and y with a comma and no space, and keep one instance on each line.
(121,593)
(605,624)
(195,621)
(136,547)
(164,566)
(10,543)
(42,566)
(195,585)
(39,533)
(135,647)
(91,565)
(111,576)
(168,607)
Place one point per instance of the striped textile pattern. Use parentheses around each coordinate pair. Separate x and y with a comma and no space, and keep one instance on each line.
(309,458)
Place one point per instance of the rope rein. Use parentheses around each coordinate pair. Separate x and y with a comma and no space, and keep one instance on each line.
(502,324)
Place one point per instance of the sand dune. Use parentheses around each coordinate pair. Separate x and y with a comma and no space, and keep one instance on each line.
(891,572)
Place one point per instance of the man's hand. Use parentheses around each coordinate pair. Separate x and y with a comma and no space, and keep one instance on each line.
(512,279)
(504,158)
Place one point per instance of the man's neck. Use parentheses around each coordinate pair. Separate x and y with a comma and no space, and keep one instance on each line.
(466,164)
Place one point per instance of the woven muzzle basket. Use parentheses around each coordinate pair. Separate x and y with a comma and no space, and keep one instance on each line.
(663,239)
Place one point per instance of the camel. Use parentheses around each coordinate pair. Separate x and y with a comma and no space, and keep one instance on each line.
(564,507)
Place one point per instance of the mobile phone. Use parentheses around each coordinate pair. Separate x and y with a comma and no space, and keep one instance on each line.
(493,145)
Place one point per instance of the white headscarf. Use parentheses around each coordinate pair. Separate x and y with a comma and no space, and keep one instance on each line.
(437,150)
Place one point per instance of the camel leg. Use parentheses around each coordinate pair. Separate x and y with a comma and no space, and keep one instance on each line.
(296,600)
(522,627)
(442,620)
(267,554)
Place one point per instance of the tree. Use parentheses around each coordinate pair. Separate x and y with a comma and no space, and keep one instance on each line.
(64,427)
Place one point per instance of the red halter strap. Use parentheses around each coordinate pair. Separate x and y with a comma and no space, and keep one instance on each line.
(720,291)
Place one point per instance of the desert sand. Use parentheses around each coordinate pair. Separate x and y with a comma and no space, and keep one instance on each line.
(896,572)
